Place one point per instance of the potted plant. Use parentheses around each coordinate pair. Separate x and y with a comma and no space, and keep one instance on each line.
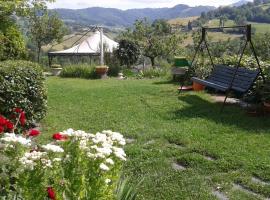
(102,71)
(266,96)
(56,69)
(201,69)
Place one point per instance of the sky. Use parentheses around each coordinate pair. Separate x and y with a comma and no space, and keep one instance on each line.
(128,4)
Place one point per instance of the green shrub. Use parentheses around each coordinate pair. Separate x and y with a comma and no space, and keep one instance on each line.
(154,73)
(79,71)
(22,86)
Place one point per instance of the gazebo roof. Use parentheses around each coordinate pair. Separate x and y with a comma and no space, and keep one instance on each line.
(90,46)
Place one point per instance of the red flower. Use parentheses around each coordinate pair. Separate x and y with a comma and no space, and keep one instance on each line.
(58,136)
(34,132)
(2,121)
(9,125)
(1,129)
(51,193)
(18,110)
(22,118)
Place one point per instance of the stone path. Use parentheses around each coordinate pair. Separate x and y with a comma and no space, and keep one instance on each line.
(220,195)
(178,167)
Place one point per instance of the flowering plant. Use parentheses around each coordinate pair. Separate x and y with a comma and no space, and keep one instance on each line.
(75,165)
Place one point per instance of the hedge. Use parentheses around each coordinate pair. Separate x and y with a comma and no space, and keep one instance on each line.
(22,85)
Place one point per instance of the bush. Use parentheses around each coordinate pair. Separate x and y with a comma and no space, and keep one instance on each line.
(79,71)
(153,73)
(22,86)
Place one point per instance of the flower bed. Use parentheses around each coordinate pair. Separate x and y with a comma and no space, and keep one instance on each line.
(75,165)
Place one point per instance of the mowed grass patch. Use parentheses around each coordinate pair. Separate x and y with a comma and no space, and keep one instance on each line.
(161,121)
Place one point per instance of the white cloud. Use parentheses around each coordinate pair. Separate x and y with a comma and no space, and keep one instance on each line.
(127,4)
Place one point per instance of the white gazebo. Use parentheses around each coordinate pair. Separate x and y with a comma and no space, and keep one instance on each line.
(92,46)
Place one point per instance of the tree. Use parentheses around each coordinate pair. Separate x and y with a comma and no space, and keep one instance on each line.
(11,39)
(128,52)
(155,40)
(44,28)
(240,20)
(190,26)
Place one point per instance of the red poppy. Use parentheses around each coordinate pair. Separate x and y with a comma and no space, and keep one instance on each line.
(51,193)
(34,132)
(22,118)
(2,121)
(18,110)
(9,125)
(1,129)
(58,136)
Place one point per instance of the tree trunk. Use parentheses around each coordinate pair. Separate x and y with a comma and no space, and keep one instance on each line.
(152,61)
(38,56)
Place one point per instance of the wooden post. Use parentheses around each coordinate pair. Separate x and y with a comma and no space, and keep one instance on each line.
(101,47)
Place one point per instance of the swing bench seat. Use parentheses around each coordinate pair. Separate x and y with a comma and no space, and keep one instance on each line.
(224,78)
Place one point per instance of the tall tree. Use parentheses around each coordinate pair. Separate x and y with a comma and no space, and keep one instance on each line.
(44,28)
(155,39)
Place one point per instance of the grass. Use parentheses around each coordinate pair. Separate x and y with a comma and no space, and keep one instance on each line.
(160,120)
(182,21)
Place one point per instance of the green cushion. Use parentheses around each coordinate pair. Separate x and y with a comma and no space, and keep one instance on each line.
(181,62)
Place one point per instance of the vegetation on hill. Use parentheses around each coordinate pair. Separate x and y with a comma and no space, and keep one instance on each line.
(117,17)
(257,11)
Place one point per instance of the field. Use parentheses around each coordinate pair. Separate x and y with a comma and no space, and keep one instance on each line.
(180,145)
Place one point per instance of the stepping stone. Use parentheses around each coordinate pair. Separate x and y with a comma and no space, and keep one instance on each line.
(150,142)
(177,145)
(246,190)
(220,99)
(130,140)
(259,181)
(220,195)
(178,167)
(209,158)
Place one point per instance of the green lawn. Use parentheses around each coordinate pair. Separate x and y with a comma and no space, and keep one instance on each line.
(168,128)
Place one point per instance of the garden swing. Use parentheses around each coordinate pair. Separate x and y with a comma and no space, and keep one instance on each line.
(226,78)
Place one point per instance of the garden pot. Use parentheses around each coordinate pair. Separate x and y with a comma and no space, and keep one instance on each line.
(198,86)
(56,71)
(102,71)
(266,106)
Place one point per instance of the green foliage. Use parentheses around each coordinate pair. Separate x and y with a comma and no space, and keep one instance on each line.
(153,73)
(262,45)
(12,44)
(251,11)
(126,191)
(45,28)
(22,85)
(128,52)
(155,40)
(79,71)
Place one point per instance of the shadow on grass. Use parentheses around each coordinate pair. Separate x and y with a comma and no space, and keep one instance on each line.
(232,115)
(163,82)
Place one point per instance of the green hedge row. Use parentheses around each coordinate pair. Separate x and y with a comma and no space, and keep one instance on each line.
(22,86)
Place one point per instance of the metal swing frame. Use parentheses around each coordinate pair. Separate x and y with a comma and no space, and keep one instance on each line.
(248,40)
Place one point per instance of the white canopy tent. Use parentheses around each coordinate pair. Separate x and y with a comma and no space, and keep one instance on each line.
(89,47)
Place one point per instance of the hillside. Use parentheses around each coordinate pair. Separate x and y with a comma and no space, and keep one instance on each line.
(117,17)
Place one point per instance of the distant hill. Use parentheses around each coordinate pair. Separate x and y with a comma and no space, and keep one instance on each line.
(240,3)
(117,17)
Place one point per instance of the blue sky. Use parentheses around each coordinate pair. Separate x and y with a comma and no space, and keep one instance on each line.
(127,4)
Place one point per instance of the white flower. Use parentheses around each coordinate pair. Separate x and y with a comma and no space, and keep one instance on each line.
(53,148)
(110,161)
(11,137)
(57,160)
(105,151)
(107,181)
(115,136)
(100,138)
(29,159)
(104,167)
(119,153)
